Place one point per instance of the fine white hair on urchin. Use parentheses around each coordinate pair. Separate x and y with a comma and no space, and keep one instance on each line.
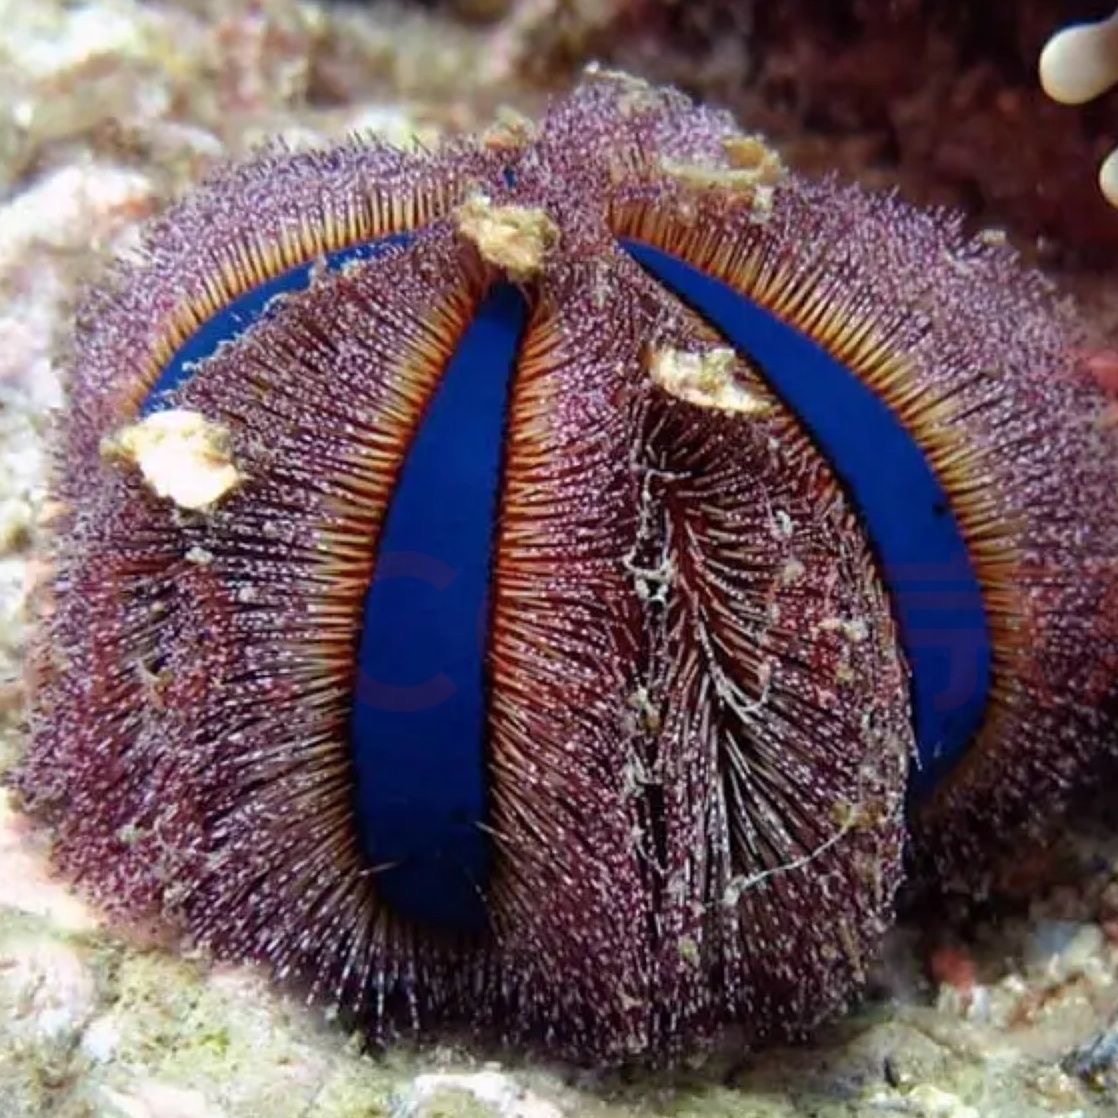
(1079,64)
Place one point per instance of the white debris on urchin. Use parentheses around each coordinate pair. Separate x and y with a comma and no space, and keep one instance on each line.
(181,454)
(708,380)
(754,170)
(513,238)
(1079,64)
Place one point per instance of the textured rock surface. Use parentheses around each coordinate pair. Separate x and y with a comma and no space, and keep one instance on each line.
(108,110)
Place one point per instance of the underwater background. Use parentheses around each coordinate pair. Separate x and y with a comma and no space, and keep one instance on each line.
(111,110)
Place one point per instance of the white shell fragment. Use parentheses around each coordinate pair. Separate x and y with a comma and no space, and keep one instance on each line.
(707,379)
(513,238)
(182,456)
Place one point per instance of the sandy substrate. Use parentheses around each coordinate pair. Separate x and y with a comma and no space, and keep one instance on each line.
(109,110)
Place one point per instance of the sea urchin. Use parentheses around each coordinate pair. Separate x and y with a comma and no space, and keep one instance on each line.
(539,584)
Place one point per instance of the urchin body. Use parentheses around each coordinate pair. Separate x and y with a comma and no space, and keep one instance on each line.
(539,642)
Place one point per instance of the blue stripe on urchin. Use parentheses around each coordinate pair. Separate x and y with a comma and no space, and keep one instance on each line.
(420,704)
(419,707)
(238,316)
(925,562)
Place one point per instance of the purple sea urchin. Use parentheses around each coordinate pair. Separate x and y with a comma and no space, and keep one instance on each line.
(512,585)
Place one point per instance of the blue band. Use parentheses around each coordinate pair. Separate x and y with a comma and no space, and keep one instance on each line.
(920,547)
(420,707)
(237,317)
(420,701)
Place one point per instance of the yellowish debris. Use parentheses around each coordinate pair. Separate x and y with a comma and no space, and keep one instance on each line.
(595,71)
(707,379)
(641,702)
(182,455)
(752,155)
(510,130)
(755,171)
(704,176)
(854,630)
(792,571)
(16,519)
(637,96)
(513,238)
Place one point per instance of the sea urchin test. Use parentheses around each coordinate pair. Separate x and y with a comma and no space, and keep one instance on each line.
(544,584)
